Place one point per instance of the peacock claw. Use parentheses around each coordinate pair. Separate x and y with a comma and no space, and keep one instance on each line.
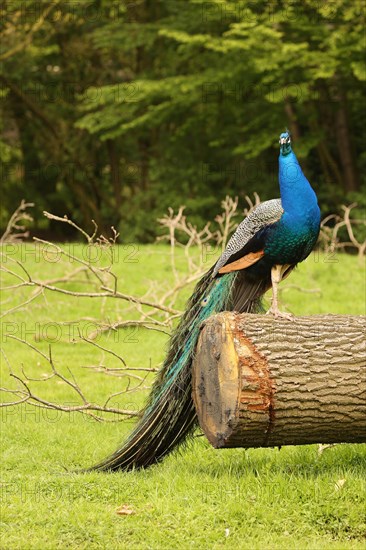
(277,314)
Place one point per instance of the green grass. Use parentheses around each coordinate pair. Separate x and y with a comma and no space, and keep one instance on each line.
(198,497)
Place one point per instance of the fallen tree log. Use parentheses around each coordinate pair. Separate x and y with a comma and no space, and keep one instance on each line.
(263,382)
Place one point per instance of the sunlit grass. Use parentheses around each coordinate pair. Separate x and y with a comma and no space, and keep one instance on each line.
(198,497)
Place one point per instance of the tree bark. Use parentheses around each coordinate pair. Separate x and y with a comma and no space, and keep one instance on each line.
(263,382)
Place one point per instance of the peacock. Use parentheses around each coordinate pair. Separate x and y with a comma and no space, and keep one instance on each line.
(264,249)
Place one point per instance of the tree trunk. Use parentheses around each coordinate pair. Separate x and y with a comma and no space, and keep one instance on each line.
(115,176)
(292,120)
(294,128)
(263,382)
(345,149)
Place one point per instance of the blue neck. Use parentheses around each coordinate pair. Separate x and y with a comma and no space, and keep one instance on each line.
(297,195)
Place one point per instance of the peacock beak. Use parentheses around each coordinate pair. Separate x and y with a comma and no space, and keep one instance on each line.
(285,144)
(284,140)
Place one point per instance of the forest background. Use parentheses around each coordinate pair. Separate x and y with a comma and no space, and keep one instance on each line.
(115,111)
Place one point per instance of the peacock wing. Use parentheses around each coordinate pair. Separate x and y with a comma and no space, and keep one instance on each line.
(237,252)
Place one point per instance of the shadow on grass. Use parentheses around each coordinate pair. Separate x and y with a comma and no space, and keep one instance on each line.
(301,462)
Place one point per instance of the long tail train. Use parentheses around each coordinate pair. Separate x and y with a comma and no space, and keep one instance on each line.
(169,415)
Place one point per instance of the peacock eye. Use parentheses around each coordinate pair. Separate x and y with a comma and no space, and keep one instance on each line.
(205,300)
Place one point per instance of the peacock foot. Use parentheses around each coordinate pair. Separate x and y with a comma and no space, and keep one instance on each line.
(277,314)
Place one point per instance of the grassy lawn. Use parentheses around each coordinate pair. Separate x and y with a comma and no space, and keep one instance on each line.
(198,497)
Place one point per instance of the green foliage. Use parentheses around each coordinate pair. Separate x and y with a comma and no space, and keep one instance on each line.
(95,90)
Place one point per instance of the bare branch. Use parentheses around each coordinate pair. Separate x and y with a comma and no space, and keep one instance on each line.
(24,394)
(65,219)
(251,204)
(22,304)
(147,324)
(155,310)
(104,349)
(329,235)
(20,215)
(225,220)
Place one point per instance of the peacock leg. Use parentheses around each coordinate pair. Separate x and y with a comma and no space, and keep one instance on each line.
(277,272)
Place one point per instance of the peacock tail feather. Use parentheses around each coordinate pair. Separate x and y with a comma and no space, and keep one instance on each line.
(169,415)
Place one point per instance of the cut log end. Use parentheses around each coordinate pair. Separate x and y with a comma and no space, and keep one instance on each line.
(259,382)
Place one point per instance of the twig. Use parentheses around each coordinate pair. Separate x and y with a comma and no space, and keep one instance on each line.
(28,38)
(65,219)
(330,235)
(19,215)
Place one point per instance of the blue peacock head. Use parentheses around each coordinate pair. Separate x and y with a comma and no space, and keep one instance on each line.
(285,143)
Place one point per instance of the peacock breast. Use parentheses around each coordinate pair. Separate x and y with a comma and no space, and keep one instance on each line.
(291,240)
